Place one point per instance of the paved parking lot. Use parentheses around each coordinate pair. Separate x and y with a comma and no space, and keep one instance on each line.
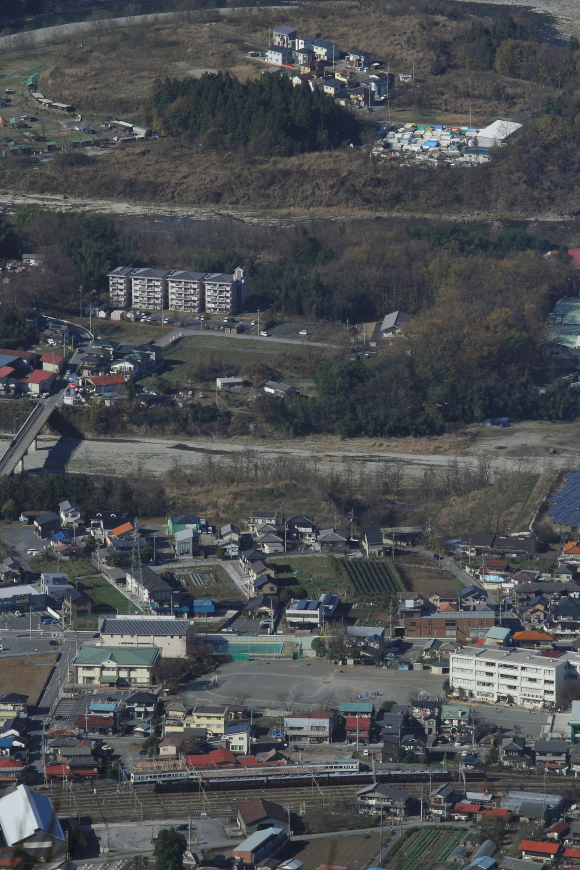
(20,539)
(136,837)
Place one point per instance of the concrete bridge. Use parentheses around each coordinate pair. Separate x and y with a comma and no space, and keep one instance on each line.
(13,457)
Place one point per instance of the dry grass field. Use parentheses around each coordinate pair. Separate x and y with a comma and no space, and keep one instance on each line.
(26,675)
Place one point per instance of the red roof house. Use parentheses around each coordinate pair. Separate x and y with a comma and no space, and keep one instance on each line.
(535,849)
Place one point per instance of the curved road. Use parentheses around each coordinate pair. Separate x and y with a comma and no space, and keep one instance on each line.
(45,34)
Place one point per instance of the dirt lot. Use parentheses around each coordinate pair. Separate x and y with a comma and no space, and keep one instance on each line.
(423,578)
(26,675)
(352,851)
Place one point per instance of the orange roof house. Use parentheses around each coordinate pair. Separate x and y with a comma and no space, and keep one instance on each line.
(121,530)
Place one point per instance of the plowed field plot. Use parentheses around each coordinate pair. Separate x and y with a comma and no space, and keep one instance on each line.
(26,675)
(422,576)
(352,852)
(427,848)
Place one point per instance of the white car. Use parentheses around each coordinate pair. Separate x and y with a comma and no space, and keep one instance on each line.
(264,333)
(302,332)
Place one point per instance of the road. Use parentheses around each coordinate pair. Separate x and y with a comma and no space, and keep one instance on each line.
(29,430)
(197,332)
(61,31)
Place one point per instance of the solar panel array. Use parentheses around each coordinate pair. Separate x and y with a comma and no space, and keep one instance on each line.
(566,503)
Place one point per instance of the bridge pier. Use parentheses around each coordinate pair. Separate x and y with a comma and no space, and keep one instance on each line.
(20,465)
(34,445)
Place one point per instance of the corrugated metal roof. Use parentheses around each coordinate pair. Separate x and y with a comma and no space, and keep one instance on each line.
(146,627)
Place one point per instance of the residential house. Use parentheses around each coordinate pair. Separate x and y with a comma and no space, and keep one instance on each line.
(284,37)
(519,864)
(369,639)
(264,585)
(51,583)
(148,586)
(358,730)
(552,755)
(101,523)
(47,524)
(390,748)
(186,543)
(70,514)
(333,87)
(359,59)
(261,846)
(415,744)
(380,84)
(257,814)
(533,640)
(442,800)
(279,389)
(304,613)
(225,294)
(512,752)
(324,50)
(171,635)
(364,709)
(259,518)
(29,823)
(270,543)
(381,798)
(472,597)
(331,539)
(533,850)
(52,362)
(37,382)
(394,322)
(557,831)
(301,528)
(373,543)
(186,291)
(141,705)
(113,666)
(213,719)
(572,838)
(185,521)
(279,55)
(455,718)
(237,738)
(309,729)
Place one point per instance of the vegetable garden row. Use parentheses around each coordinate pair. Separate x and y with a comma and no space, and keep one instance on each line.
(373,578)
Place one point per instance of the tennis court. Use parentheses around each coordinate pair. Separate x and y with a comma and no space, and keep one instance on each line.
(252,648)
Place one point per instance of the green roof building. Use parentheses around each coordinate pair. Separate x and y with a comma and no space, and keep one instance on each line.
(112,666)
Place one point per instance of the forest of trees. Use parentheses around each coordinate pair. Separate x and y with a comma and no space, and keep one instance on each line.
(267,113)
(478,298)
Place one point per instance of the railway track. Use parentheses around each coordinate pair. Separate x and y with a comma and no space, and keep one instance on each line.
(122,803)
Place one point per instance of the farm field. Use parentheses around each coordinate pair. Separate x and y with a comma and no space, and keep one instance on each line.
(422,576)
(26,675)
(209,582)
(373,577)
(426,847)
(318,574)
(353,851)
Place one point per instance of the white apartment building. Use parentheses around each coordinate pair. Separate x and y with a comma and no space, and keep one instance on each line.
(185,291)
(120,286)
(149,288)
(527,676)
(225,293)
(157,289)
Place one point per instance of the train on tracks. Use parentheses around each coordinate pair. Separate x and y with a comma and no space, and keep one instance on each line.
(301,776)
